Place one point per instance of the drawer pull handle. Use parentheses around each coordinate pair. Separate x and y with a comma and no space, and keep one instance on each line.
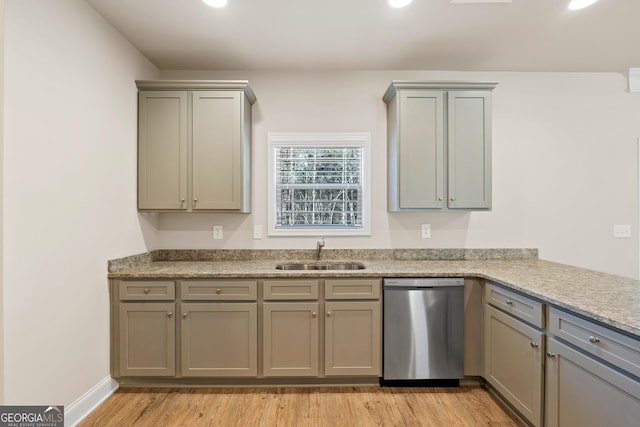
(314,314)
(328,314)
(218,291)
(594,340)
(169,314)
(509,302)
(146,290)
(184,315)
(551,355)
(534,344)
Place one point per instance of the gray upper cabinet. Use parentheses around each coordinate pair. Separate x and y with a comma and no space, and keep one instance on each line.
(439,145)
(194,146)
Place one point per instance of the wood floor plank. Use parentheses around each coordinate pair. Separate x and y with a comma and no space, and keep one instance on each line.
(300,407)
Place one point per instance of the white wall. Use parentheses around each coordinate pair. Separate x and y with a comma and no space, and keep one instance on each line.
(564,164)
(69,194)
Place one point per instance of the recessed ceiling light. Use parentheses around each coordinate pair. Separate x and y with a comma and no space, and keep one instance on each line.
(399,3)
(580,4)
(216,3)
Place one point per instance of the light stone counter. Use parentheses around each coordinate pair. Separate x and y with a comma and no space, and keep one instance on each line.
(611,300)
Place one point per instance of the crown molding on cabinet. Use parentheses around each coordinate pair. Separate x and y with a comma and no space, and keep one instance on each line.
(198,85)
(441,85)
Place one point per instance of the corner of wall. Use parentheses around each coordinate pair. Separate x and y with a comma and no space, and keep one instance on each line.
(1,202)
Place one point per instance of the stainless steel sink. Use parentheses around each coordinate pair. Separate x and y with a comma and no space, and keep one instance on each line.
(321,266)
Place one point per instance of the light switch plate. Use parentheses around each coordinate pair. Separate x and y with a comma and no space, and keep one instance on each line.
(621,231)
(426,231)
(257,232)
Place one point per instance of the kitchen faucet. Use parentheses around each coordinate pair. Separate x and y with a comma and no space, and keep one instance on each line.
(319,247)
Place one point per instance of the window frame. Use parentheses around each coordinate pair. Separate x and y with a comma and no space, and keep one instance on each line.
(324,140)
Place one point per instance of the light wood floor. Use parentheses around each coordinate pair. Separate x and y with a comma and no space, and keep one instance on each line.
(326,406)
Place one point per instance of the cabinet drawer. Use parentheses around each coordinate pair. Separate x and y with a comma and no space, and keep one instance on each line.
(219,290)
(352,289)
(148,290)
(290,289)
(518,305)
(610,346)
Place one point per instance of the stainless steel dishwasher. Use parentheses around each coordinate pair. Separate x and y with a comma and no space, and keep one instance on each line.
(423,329)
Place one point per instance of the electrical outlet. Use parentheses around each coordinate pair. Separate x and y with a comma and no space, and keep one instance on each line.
(257,232)
(621,231)
(217,232)
(426,231)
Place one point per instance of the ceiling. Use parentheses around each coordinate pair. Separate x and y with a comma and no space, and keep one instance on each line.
(525,35)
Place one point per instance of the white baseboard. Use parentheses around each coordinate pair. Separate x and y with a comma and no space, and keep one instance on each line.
(89,401)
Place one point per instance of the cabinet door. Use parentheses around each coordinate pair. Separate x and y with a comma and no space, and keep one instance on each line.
(217,150)
(162,150)
(514,362)
(581,391)
(469,149)
(219,339)
(290,336)
(146,339)
(353,336)
(421,149)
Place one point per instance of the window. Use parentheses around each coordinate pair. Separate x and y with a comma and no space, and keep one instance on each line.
(319,184)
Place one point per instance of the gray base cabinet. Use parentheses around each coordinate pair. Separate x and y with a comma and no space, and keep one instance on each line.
(592,373)
(219,339)
(147,339)
(514,362)
(243,328)
(298,341)
(352,338)
(514,350)
(581,391)
(290,339)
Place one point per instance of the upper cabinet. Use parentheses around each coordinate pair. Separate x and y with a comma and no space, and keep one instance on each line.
(439,145)
(194,146)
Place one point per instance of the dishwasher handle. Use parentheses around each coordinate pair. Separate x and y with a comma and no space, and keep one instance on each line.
(428,282)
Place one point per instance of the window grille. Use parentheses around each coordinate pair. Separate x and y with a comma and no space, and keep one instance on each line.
(318,185)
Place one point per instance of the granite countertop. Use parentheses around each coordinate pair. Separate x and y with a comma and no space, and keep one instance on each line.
(609,299)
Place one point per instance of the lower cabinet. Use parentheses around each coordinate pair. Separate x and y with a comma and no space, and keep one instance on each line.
(513,362)
(581,391)
(514,357)
(290,339)
(352,343)
(244,328)
(146,339)
(294,332)
(219,339)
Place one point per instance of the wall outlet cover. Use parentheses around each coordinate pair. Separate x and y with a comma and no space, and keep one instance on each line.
(621,231)
(426,231)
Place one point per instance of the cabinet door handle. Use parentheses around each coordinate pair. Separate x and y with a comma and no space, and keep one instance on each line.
(195,200)
(439,198)
(181,201)
(453,199)
(314,314)
(551,355)
(508,301)
(169,314)
(594,340)
(184,315)
(218,291)
(534,344)
(146,290)
(328,314)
